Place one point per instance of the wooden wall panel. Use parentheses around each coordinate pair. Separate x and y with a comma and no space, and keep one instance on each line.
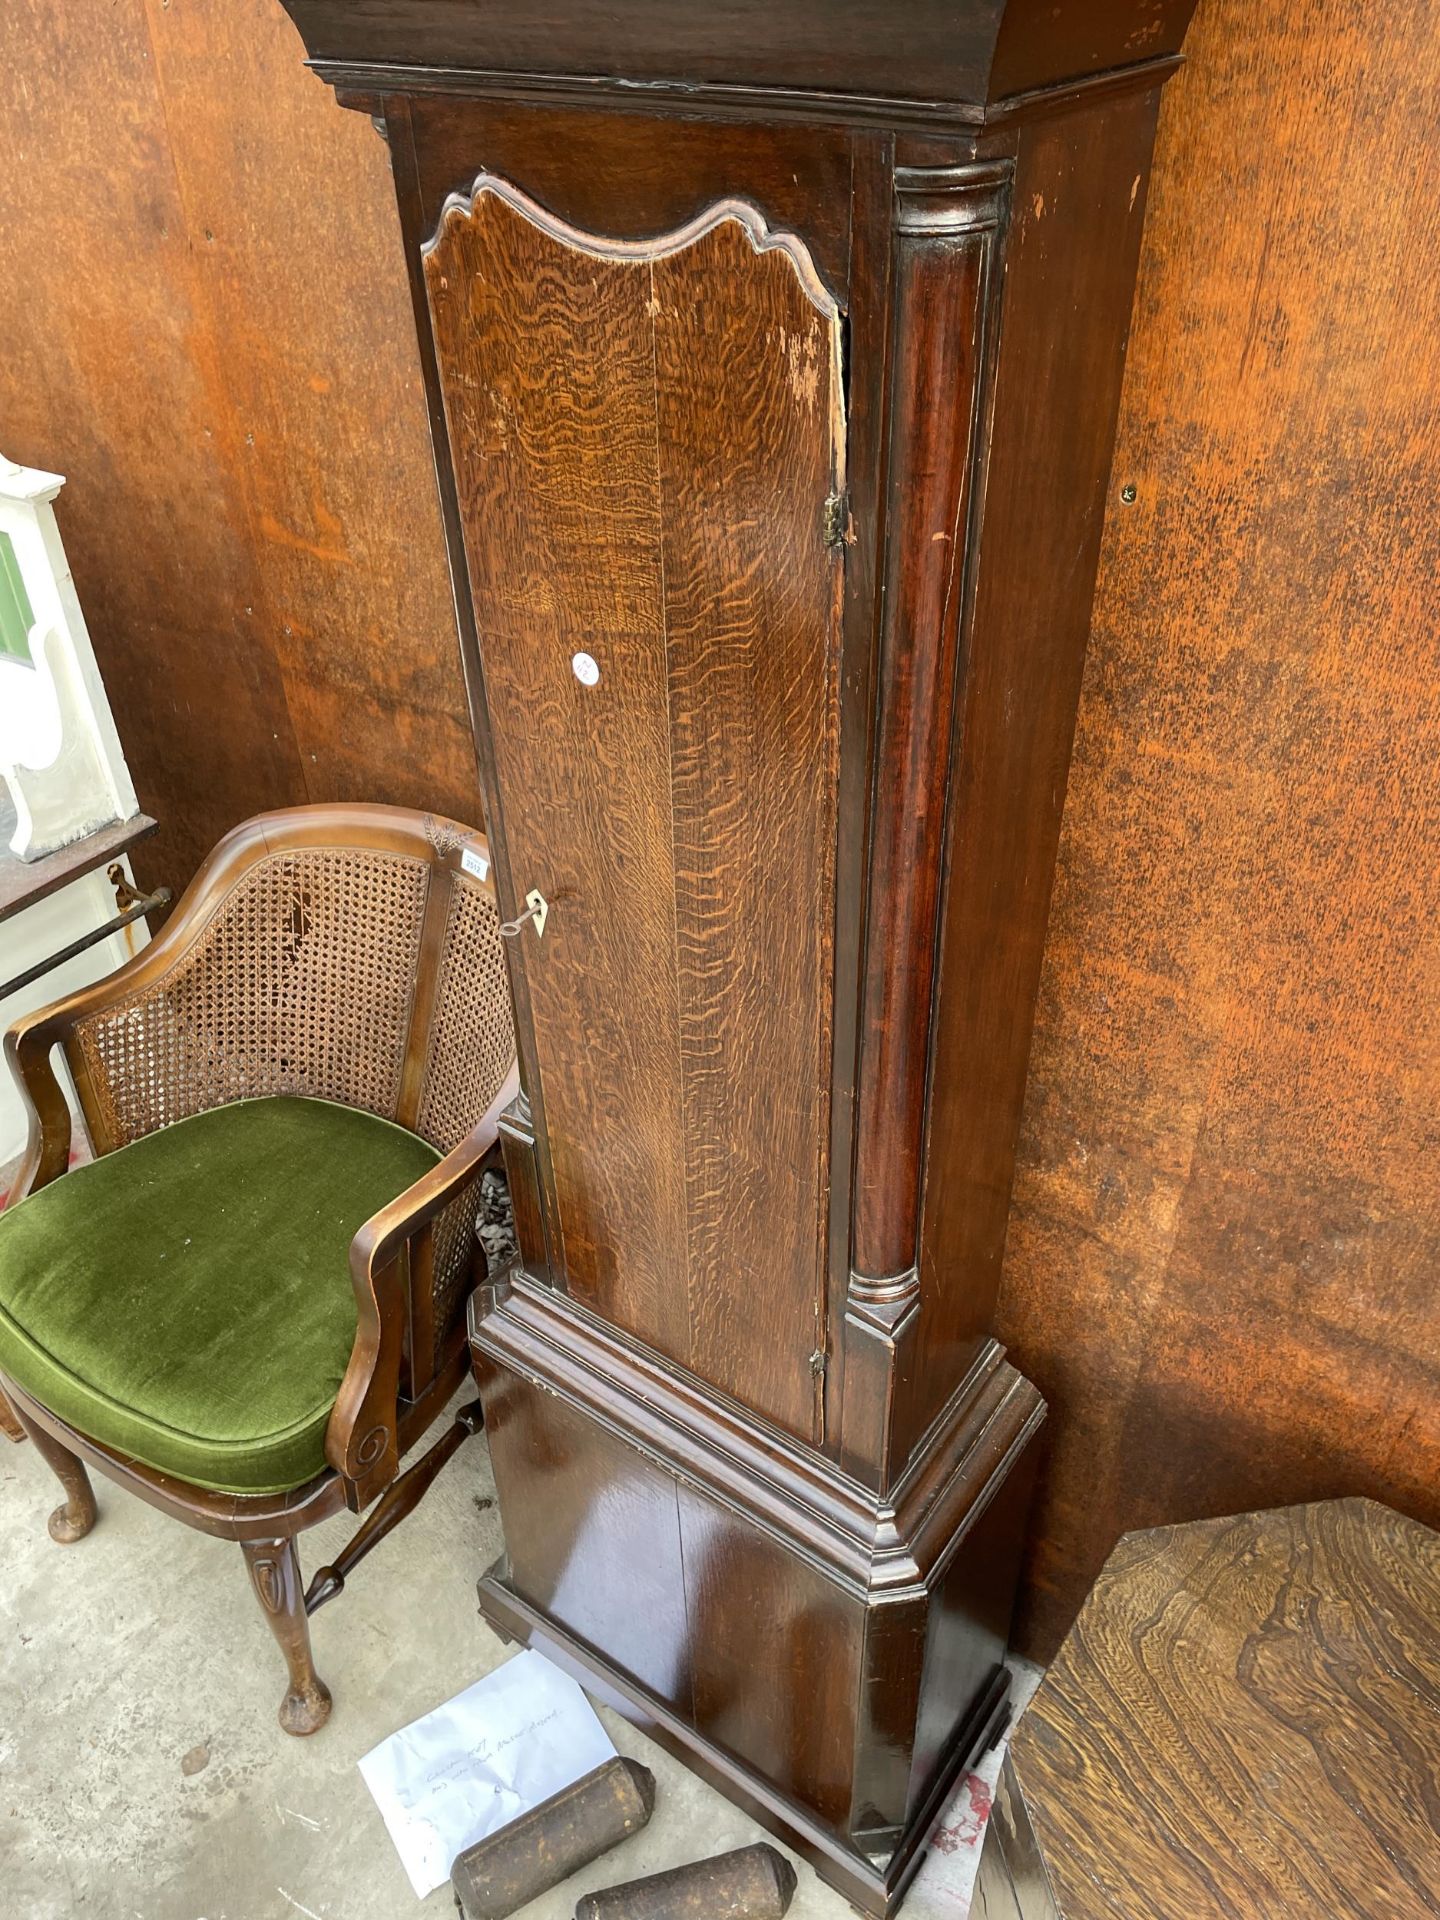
(1224,1239)
(205,328)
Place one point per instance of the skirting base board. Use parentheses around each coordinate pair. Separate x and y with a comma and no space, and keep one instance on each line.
(875,1887)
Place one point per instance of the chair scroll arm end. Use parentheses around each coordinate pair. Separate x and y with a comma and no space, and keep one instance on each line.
(28,1046)
(362,1439)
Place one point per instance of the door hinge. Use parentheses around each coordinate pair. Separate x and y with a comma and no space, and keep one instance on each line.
(835,519)
(818,1362)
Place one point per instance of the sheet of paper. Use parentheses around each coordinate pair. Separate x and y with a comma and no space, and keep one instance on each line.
(480,1761)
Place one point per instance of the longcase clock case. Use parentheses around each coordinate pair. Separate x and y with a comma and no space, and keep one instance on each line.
(773,356)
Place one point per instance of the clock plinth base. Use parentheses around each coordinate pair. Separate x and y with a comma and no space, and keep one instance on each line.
(829,1657)
(874,1887)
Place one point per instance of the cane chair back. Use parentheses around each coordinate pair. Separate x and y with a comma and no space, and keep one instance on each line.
(300,981)
(343,953)
(471,1049)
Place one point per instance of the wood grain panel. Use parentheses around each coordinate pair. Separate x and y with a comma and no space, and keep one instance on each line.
(207,331)
(748,391)
(1245,1722)
(644,437)
(103,315)
(1224,1238)
(549,369)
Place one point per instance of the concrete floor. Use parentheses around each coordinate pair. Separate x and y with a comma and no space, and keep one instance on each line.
(143,1776)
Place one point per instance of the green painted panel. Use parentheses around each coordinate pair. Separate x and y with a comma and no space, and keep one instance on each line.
(16,617)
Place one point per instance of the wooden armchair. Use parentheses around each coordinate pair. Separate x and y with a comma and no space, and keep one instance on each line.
(251,1303)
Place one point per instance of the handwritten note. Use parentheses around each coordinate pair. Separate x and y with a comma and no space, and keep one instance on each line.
(480,1761)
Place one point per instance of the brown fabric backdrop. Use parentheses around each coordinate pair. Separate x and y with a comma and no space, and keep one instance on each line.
(1223,1245)
(206,328)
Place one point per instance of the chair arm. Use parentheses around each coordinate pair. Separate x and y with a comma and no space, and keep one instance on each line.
(28,1045)
(361,1441)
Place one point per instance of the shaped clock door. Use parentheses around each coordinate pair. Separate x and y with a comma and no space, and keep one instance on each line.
(648,443)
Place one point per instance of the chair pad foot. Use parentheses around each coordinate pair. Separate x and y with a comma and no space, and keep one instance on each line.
(65,1528)
(303,1713)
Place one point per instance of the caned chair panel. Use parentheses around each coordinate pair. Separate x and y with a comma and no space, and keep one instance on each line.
(472,1045)
(302,980)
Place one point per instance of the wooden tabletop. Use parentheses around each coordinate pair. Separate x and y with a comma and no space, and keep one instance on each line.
(1243,1722)
(23,882)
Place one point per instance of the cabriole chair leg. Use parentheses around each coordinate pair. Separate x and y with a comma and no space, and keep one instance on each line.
(75,1519)
(274,1569)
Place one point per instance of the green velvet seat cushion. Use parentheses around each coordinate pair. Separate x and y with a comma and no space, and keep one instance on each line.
(187,1300)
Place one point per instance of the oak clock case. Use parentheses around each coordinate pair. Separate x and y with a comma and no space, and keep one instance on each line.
(773,356)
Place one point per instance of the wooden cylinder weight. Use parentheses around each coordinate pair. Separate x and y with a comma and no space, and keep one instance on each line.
(545,1846)
(752,1883)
